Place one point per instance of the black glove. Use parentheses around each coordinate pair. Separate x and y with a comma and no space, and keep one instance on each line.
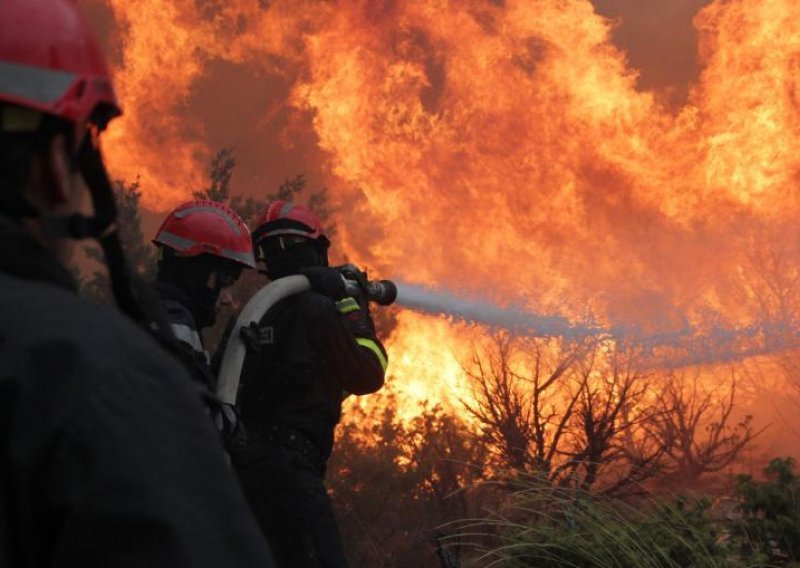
(357,317)
(325,280)
(356,284)
(251,337)
(230,428)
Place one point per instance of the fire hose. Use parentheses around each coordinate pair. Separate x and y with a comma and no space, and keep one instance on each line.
(233,357)
(383,292)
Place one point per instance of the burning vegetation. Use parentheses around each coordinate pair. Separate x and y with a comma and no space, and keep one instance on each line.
(602,278)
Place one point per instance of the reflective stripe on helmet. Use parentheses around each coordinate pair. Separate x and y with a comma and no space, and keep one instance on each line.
(174,241)
(42,86)
(243,257)
(180,214)
(282,232)
(372,345)
(286,218)
(183,244)
(288,206)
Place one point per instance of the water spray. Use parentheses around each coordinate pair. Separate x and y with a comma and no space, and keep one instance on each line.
(514,317)
(688,345)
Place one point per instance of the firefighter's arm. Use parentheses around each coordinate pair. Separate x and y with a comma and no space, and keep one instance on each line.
(365,360)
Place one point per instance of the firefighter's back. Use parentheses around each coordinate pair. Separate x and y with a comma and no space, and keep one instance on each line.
(107,456)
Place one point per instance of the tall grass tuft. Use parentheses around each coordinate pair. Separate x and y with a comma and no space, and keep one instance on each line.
(551,527)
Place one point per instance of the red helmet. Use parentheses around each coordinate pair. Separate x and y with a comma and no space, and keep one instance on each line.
(50,62)
(207,227)
(285,218)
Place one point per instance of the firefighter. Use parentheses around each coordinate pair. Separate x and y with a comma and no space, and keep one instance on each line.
(203,248)
(308,350)
(106,455)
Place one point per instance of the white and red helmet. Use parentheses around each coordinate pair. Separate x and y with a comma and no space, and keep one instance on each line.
(50,62)
(207,227)
(284,218)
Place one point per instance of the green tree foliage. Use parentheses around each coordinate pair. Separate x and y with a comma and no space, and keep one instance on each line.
(549,527)
(771,511)
(220,174)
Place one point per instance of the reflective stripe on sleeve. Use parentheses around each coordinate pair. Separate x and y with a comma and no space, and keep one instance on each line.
(187,335)
(347,305)
(373,346)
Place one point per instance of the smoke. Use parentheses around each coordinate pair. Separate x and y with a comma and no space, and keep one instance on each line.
(659,41)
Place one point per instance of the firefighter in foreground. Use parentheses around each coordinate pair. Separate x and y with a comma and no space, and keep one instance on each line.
(308,351)
(203,248)
(106,455)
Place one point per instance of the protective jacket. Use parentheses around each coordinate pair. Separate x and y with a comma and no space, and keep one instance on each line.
(106,456)
(307,358)
(177,306)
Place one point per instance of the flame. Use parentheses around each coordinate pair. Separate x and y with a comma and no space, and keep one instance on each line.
(166,48)
(426,365)
(160,62)
(500,149)
(749,98)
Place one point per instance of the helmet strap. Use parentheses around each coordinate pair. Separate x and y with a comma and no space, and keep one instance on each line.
(132,294)
(88,161)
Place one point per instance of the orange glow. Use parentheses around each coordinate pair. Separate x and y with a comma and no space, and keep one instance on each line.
(501,150)
(426,357)
(160,61)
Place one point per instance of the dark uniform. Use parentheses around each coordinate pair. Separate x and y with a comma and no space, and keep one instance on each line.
(293,382)
(176,305)
(108,458)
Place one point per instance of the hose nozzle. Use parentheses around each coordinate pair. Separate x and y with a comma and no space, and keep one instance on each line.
(382,292)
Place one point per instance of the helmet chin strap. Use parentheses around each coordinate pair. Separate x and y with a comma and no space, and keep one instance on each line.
(132,295)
